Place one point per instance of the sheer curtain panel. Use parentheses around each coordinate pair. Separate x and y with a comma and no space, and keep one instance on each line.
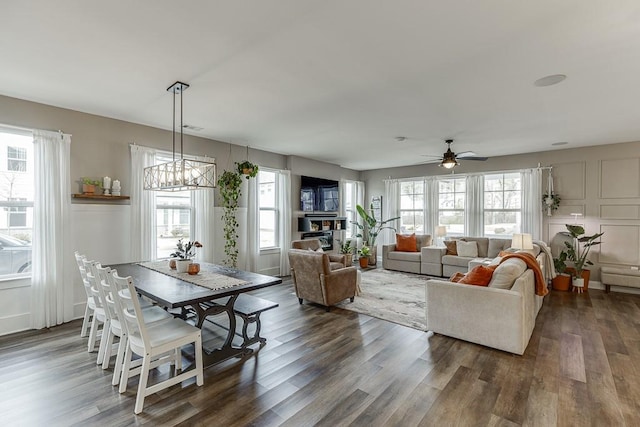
(391,209)
(51,279)
(202,202)
(531,202)
(284,219)
(252,235)
(143,206)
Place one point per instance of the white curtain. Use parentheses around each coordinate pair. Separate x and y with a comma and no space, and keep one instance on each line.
(474,212)
(252,236)
(531,202)
(51,278)
(431,201)
(391,209)
(202,201)
(143,206)
(356,197)
(284,216)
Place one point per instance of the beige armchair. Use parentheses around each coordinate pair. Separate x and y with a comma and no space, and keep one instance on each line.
(335,261)
(314,280)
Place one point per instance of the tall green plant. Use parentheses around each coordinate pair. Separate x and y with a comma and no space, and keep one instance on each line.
(578,249)
(229,185)
(371,227)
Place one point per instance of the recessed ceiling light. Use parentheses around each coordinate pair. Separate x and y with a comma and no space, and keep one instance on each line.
(401,138)
(560,143)
(553,79)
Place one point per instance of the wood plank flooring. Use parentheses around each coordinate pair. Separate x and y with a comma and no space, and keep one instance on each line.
(582,367)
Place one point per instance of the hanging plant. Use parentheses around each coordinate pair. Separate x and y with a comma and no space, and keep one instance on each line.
(248,169)
(229,184)
(550,201)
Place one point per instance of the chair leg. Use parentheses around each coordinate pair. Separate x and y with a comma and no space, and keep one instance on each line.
(142,385)
(352,299)
(106,358)
(85,322)
(124,378)
(300,300)
(117,370)
(106,330)
(198,351)
(327,309)
(92,334)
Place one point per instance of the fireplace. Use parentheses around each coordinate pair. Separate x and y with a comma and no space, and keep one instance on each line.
(325,237)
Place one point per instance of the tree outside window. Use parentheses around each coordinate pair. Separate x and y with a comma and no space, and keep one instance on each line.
(502,204)
(451,205)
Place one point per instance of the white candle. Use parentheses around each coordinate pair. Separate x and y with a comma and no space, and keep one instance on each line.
(116,184)
(106,183)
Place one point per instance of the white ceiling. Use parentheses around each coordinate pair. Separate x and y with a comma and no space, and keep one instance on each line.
(338,80)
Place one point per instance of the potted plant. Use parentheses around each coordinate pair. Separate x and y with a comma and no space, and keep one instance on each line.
(89,185)
(371,228)
(577,252)
(364,252)
(562,281)
(551,201)
(346,249)
(247,168)
(184,253)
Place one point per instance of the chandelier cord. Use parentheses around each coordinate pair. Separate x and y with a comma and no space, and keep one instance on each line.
(173,132)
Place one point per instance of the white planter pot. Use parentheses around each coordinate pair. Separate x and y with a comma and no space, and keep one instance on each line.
(182,265)
(578,282)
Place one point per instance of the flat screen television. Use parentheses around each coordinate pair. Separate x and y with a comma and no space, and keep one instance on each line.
(319,195)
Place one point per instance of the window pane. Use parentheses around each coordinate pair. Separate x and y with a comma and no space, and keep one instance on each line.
(267,229)
(460,185)
(446,201)
(406,202)
(16,203)
(502,224)
(459,201)
(267,189)
(512,200)
(445,186)
(453,220)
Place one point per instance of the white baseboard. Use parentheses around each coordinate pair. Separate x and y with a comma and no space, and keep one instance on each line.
(15,323)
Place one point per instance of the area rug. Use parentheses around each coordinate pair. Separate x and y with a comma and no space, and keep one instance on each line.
(396,297)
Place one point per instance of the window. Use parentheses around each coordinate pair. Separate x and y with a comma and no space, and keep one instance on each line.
(173,216)
(268,209)
(16,159)
(451,204)
(502,203)
(16,202)
(412,207)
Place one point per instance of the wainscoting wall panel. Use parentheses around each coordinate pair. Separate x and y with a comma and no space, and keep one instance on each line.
(570,180)
(620,244)
(619,212)
(620,178)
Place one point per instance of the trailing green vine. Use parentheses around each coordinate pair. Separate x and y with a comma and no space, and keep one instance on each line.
(230,186)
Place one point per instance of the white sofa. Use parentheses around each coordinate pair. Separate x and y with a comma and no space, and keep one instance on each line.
(497,318)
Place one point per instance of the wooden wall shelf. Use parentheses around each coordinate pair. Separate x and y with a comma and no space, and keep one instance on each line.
(99,197)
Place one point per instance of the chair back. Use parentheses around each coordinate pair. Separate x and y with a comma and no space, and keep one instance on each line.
(91,282)
(80,259)
(132,316)
(308,270)
(103,274)
(306,244)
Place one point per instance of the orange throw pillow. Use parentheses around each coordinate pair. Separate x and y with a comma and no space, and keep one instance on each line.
(452,248)
(480,275)
(406,243)
(456,277)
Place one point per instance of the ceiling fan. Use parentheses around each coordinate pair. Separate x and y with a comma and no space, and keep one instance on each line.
(449,159)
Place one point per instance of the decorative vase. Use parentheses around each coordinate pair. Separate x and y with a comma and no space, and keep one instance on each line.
(88,189)
(172,264)
(182,265)
(562,282)
(586,274)
(373,255)
(194,268)
(364,262)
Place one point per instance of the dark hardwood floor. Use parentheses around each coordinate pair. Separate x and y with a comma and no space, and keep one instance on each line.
(582,367)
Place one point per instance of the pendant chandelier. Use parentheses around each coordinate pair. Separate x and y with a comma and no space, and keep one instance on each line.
(181,174)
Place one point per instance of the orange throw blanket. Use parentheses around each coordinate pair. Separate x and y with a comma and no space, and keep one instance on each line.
(541,284)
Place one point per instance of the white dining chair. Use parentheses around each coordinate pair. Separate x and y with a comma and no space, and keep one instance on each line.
(90,306)
(113,308)
(99,313)
(154,342)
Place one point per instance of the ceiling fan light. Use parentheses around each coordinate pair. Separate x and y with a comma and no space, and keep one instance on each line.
(449,163)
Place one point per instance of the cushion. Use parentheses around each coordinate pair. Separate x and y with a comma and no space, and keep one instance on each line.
(451,247)
(406,243)
(479,275)
(456,277)
(482,242)
(404,256)
(467,249)
(507,273)
(496,246)
(506,252)
(455,260)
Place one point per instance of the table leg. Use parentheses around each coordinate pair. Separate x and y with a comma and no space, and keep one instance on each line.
(228,350)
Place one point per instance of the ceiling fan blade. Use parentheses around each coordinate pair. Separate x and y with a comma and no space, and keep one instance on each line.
(473,158)
(430,155)
(466,154)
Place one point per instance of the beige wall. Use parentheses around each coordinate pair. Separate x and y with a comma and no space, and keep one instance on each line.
(601,182)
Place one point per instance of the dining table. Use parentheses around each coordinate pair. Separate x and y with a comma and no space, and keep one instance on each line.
(214,290)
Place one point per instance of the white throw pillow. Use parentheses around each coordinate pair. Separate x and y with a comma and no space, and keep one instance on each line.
(467,249)
(506,273)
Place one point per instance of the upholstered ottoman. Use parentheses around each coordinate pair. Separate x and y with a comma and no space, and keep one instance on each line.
(613,276)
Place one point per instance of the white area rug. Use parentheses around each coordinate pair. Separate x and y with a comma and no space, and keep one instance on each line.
(393,296)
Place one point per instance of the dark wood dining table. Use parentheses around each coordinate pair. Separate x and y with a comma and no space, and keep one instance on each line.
(171,292)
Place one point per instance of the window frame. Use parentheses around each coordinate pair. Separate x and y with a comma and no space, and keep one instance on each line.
(416,210)
(516,175)
(274,209)
(16,160)
(462,210)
